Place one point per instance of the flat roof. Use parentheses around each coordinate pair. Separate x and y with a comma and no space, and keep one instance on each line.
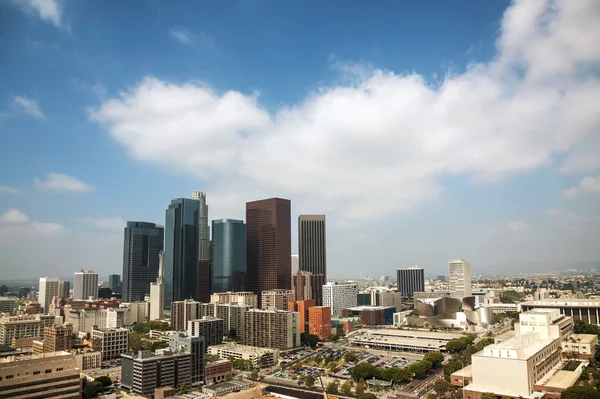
(412,333)
(464,372)
(577,302)
(563,379)
(240,348)
(520,342)
(584,338)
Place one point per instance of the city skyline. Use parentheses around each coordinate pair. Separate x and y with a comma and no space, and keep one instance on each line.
(449,132)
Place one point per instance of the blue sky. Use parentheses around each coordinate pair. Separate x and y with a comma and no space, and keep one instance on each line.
(425,131)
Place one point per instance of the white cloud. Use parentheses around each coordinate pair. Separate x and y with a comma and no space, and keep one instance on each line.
(28,106)
(516,225)
(13,215)
(185,36)
(61,182)
(48,10)
(381,143)
(586,185)
(9,190)
(112,223)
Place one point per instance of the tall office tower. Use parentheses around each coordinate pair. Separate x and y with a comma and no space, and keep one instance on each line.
(411,280)
(460,278)
(302,285)
(204,280)
(85,284)
(63,289)
(276,299)
(295,267)
(273,329)
(142,243)
(203,229)
(181,250)
(114,280)
(312,251)
(48,289)
(182,312)
(228,255)
(157,291)
(269,245)
(339,297)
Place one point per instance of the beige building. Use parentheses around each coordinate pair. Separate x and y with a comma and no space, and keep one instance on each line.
(460,278)
(182,312)
(265,356)
(581,346)
(49,375)
(88,359)
(525,365)
(242,298)
(276,299)
(112,342)
(139,312)
(587,310)
(84,319)
(272,329)
(233,316)
(25,326)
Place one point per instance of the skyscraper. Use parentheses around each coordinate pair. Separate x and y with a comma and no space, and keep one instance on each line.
(142,243)
(411,280)
(63,289)
(157,291)
(85,284)
(228,255)
(203,228)
(269,245)
(312,252)
(181,250)
(460,278)
(48,289)
(114,280)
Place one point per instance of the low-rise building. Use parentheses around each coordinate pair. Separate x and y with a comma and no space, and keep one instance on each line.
(88,359)
(144,371)
(402,340)
(264,357)
(25,326)
(371,315)
(111,342)
(587,310)
(218,371)
(581,346)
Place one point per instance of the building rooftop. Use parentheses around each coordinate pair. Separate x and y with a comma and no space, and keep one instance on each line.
(232,346)
(526,345)
(565,302)
(584,338)
(562,379)
(45,355)
(466,372)
(367,307)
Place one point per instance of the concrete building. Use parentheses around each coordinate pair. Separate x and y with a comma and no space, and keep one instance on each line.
(196,347)
(242,298)
(228,255)
(302,285)
(319,322)
(204,249)
(211,328)
(460,278)
(51,375)
(48,289)
(312,252)
(142,244)
(587,310)
(218,371)
(272,329)
(525,365)
(276,299)
(7,305)
(181,250)
(27,326)
(269,245)
(371,315)
(157,291)
(580,346)
(88,359)
(302,307)
(64,288)
(411,280)
(339,296)
(84,319)
(115,318)
(182,312)
(391,299)
(144,371)
(139,312)
(264,357)
(295,261)
(233,316)
(402,340)
(85,285)
(57,338)
(111,342)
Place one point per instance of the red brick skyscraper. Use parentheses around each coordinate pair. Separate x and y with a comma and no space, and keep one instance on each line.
(269,245)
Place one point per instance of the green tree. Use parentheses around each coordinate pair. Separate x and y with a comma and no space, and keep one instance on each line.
(360,388)
(396,374)
(488,395)
(579,392)
(333,386)
(92,389)
(441,387)
(436,358)
(364,371)
(254,374)
(309,380)
(183,389)
(456,345)
(309,339)
(104,380)
(419,368)
(350,357)
(431,396)
(346,387)
(367,395)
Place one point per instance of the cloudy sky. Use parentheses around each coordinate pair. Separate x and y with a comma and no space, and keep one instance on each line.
(425,131)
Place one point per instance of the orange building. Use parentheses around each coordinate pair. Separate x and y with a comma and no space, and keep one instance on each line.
(319,320)
(302,307)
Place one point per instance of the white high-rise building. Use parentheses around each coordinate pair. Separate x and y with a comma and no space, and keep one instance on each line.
(460,278)
(85,285)
(204,229)
(339,296)
(157,292)
(48,289)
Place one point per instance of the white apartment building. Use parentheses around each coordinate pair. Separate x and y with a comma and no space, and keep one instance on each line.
(138,311)
(242,298)
(339,296)
(276,299)
(116,317)
(157,300)
(85,285)
(26,326)
(48,289)
(84,319)
(460,278)
(111,342)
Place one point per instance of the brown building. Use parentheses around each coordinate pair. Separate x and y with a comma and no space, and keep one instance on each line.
(273,329)
(302,307)
(277,299)
(319,321)
(217,371)
(312,252)
(58,338)
(182,312)
(63,289)
(204,279)
(269,245)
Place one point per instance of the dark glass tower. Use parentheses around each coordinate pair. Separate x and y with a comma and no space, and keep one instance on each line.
(142,244)
(411,280)
(312,252)
(181,250)
(228,255)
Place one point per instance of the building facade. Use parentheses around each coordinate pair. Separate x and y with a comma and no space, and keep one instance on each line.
(268,245)
(411,280)
(27,326)
(587,310)
(85,285)
(228,255)
(48,289)
(157,291)
(276,299)
(272,329)
(114,282)
(460,278)
(209,327)
(111,342)
(302,307)
(312,252)
(142,244)
(181,250)
(196,347)
(339,296)
(142,372)
(263,357)
(182,312)
(218,371)
(234,318)
(319,321)
(242,298)
(58,338)
(64,288)
(204,249)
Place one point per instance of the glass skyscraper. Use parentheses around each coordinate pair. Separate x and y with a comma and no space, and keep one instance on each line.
(143,242)
(228,255)
(181,250)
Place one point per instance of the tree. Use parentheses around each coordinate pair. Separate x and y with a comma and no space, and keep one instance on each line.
(395,374)
(183,389)
(350,357)
(578,392)
(456,345)
(364,371)
(254,375)
(309,380)
(92,389)
(360,388)
(367,395)
(441,387)
(309,339)
(333,386)
(104,380)
(346,387)
(436,358)
(232,333)
(431,396)
(488,395)
(419,368)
